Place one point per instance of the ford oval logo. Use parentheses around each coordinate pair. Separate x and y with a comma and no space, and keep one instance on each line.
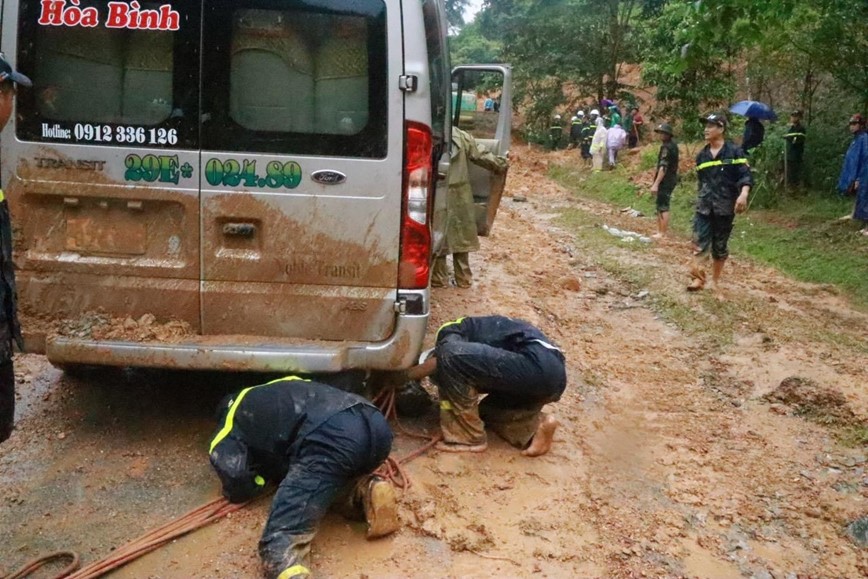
(328,177)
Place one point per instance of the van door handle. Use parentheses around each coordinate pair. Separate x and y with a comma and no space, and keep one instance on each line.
(239,229)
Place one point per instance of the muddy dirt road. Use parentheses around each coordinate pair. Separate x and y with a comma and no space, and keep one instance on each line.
(679,453)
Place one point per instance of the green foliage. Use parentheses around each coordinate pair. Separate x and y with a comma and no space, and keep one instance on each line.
(470,47)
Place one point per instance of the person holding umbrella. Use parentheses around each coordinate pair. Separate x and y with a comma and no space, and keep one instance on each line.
(754,131)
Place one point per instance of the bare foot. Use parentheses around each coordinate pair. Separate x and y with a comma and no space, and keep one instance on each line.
(542,439)
(448,447)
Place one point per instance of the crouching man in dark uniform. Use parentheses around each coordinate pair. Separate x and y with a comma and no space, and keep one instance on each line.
(514,364)
(320,444)
(10,331)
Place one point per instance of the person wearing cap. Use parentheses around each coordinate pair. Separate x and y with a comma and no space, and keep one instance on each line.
(10,330)
(556,132)
(666,177)
(724,184)
(514,364)
(795,149)
(854,173)
(320,445)
(575,131)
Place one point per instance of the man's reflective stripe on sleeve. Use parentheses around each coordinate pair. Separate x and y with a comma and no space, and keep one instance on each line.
(794,135)
(709,164)
(230,416)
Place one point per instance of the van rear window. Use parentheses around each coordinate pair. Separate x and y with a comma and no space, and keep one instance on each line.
(295,77)
(110,72)
(270,76)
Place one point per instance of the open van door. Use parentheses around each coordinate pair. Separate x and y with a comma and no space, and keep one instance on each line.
(482,106)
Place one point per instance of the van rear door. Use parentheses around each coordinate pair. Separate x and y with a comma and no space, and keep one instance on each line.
(301,169)
(482,106)
(101,162)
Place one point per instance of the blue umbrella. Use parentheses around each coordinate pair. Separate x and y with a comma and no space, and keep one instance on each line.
(754,109)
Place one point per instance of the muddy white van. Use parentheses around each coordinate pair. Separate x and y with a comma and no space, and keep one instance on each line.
(240,185)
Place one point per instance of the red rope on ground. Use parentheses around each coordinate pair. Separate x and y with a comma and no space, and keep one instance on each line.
(35,564)
(392,469)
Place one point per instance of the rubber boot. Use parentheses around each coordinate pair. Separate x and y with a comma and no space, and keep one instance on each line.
(286,557)
(381,507)
(461,425)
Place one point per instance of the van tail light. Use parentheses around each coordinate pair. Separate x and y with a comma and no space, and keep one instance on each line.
(415,262)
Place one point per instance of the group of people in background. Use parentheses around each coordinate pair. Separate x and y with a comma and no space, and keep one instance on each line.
(723,172)
(599,137)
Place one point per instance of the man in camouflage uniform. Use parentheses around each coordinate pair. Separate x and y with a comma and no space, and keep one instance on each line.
(10,331)
(461,236)
(509,361)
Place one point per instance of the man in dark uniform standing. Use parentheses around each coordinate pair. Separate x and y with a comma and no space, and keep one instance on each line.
(317,442)
(795,138)
(10,330)
(510,361)
(724,183)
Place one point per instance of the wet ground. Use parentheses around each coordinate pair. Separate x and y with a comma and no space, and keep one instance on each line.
(679,454)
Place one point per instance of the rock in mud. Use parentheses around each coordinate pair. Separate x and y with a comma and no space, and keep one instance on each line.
(571,283)
(858,531)
(809,399)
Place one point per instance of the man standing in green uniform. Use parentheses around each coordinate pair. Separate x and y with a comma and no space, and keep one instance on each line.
(666,177)
(461,236)
(724,183)
(10,331)
(795,138)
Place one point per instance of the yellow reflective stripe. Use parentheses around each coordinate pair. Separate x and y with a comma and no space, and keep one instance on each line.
(230,416)
(708,164)
(794,135)
(458,321)
(293,571)
(445,405)
(2,196)
(259,481)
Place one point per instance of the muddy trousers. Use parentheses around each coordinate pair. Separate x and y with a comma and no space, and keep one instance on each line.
(461,264)
(517,383)
(7,399)
(350,444)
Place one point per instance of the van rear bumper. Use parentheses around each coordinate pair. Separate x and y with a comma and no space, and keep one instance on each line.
(249,353)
